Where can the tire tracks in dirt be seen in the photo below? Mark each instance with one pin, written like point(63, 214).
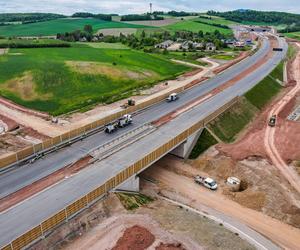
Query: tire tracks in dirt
point(270, 133)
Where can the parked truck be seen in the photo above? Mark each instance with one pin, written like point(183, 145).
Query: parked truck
point(206, 182)
point(172, 97)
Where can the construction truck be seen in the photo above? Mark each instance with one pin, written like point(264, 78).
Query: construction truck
point(272, 121)
point(172, 97)
point(111, 127)
point(124, 121)
point(206, 182)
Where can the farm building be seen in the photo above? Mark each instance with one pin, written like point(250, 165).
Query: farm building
point(210, 47)
point(164, 45)
point(191, 45)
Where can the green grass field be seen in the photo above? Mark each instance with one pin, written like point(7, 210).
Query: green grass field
point(106, 45)
point(231, 122)
point(216, 20)
point(205, 141)
point(191, 25)
point(59, 80)
point(264, 91)
point(228, 125)
point(53, 27)
point(294, 35)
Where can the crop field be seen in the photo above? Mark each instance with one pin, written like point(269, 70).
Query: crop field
point(194, 26)
point(53, 27)
point(60, 80)
point(217, 20)
point(294, 35)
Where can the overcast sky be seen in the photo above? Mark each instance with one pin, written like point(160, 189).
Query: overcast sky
point(141, 6)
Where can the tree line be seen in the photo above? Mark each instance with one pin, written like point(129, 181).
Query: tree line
point(27, 17)
point(146, 17)
point(269, 17)
point(105, 17)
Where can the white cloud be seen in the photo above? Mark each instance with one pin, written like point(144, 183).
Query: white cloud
point(140, 6)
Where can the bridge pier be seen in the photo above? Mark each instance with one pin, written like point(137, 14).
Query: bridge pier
point(132, 184)
point(185, 148)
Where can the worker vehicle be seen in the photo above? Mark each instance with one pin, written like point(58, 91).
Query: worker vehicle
point(111, 127)
point(124, 121)
point(206, 182)
point(272, 121)
point(172, 97)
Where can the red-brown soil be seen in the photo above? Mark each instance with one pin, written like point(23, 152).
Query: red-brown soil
point(11, 124)
point(13, 105)
point(135, 238)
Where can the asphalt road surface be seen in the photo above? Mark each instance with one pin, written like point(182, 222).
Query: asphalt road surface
point(29, 213)
point(18, 178)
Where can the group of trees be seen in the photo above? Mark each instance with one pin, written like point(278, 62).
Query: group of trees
point(145, 17)
point(105, 17)
point(7, 18)
point(77, 35)
point(269, 17)
point(22, 43)
point(181, 13)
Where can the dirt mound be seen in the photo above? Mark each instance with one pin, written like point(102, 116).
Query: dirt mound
point(170, 247)
point(135, 238)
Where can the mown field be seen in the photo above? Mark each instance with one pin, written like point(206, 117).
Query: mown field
point(59, 80)
point(53, 27)
point(192, 25)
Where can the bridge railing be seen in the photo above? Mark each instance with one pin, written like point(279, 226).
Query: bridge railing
point(77, 206)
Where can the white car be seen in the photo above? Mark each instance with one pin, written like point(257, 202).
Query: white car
point(206, 182)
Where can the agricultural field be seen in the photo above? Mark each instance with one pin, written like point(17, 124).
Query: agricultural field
point(62, 25)
point(192, 25)
point(216, 20)
point(190, 57)
point(60, 80)
point(293, 35)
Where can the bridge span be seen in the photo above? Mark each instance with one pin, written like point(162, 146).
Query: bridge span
point(35, 217)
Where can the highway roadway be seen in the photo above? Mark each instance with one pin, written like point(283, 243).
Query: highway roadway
point(18, 178)
point(32, 211)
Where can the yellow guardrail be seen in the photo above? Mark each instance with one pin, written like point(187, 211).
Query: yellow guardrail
point(72, 209)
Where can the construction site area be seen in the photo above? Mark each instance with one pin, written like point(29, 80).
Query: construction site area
point(182, 202)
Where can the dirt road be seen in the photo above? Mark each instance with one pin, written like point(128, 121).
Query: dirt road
point(270, 133)
point(31, 121)
point(280, 233)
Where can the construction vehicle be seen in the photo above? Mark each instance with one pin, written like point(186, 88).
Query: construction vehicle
point(124, 121)
point(172, 97)
point(129, 103)
point(272, 121)
point(206, 182)
point(111, 127)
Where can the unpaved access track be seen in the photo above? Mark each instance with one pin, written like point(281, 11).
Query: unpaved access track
point(196, 196)
point(270, 133)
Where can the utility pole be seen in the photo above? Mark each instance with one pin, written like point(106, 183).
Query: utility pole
point(150, 8)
